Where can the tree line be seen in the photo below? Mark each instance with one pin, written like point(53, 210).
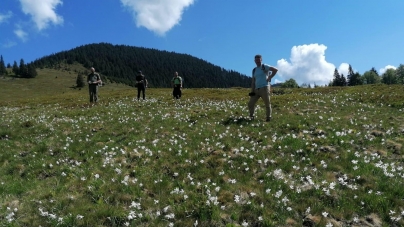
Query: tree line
point(390, 76)
point(121, 63)
point(22, 70)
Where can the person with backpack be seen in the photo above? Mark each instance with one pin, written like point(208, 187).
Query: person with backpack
point(141, 84)
point(94, 80)
point(261, 86)
point(176, 83)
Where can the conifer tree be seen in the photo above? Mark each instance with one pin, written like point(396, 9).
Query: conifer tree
point(16, 70)
point(23, 70)
point(336, 79)
point(374, 71)
point(349, 75)
point(342, 81)
point(31, 71)
point(80, 80)
point(3, 70)
point(350, 70)
point(355, 79)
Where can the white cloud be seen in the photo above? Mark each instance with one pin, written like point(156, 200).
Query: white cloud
point(158, 16)
point(383, 70)
point(343, 69)
point(21, 34)
point(42, 12)
point(5, 17)
point(278, 81)
point(307, 65)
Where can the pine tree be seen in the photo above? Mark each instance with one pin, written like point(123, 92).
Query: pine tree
point(80, 80)
point(374, 71)
point(23, 68)
point(3, 70)
point(16, 70)
point(355, 79)
point(350, 71)
point(31, 71)
point(342, 81)
point(337, 78)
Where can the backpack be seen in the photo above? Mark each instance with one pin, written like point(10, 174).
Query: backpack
point(99, 78)
point(177, 78)
point(262, 67)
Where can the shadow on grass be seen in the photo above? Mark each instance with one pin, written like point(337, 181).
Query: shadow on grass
point(76, 87)
point(236, 121)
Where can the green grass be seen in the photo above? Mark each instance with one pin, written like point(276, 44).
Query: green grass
point(330, 156)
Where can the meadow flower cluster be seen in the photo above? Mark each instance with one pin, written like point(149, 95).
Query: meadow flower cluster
point(326, 159)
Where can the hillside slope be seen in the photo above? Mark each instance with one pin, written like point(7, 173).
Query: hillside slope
point(120, 63)
point(51, 85)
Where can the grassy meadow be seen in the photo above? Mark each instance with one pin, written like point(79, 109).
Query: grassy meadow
point(329, 157)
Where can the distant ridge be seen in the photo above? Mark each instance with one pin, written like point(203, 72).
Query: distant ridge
point(120, 63)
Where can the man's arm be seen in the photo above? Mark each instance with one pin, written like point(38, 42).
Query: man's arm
point(273, 71)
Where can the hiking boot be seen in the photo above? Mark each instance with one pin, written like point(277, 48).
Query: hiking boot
point(268, 119)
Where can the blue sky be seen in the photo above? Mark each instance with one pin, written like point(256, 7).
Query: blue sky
point(305, 39)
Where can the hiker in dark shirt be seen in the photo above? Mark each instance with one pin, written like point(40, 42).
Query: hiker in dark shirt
point(94, 80)
point(176, 83)
point(141, 84)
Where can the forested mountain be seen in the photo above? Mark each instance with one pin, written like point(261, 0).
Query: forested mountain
point(120, 63)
